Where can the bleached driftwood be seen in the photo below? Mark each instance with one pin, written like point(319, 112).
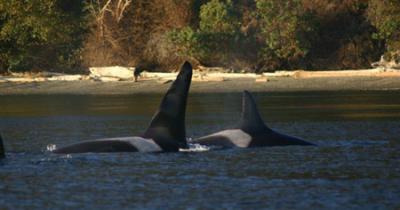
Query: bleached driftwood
point(119, 72)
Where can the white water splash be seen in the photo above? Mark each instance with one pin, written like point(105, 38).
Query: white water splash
point(195, 148)
point(51, 147)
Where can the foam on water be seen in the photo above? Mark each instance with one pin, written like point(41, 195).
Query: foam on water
point(51, 147)
point(192, 148)
point(195, 148)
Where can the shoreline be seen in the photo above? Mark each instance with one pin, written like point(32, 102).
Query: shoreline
point(233, 85)
point(210, 82)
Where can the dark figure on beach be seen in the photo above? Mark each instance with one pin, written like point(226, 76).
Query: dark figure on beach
point(137, 72)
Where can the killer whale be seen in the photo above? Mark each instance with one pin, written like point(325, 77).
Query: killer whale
point(166, 132)
point(251, 131)
point(2, 151)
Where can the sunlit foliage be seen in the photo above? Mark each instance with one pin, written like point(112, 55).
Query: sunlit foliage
point(41, 34)
point(385, 16)
point(250, 35)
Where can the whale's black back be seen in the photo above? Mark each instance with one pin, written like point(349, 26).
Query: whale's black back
point(2, 152)
point(168, 124)
point(252, 123)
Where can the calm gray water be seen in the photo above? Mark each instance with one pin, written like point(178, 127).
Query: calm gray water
point(355, 166)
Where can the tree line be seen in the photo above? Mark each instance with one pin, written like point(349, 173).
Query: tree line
point(249, 35)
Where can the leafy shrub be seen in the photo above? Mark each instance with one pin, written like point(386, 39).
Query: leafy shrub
point(385, 16)
point(218, 41)
point(41, 34)
point(285, 27)
point(185, 41)
point(218, 17)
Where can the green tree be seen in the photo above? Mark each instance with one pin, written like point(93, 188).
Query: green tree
point(218, 40)
point(385, 16)
point(218, 17)
point(41, 34)
point(284, 26)
point(185, 41)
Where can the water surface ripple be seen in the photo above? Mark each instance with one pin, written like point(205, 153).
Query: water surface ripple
point(355, 166)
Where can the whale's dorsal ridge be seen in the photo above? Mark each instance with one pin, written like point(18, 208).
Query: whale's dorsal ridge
point(168, 123)
point(2, 152)
point(251, 119)
point(251, 131)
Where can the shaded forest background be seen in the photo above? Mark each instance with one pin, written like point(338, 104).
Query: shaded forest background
point(249, 35)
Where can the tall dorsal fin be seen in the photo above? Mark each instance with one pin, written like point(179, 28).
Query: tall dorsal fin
point(251, 119)
point(2, 152)
point(168, 123)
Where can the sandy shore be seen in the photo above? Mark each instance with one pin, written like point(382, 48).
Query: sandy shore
point(118, 80)
point(274, 84)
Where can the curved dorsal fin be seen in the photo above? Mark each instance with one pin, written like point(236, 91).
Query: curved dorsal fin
point(168, 123)
point(251, 119)
point(2, 153)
